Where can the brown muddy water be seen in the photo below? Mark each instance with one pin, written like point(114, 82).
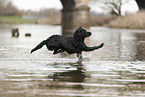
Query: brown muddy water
point(117, 70)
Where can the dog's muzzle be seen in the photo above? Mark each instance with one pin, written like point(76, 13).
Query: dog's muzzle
point(88, 34)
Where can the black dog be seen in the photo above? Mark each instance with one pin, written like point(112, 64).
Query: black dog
point(71, 45)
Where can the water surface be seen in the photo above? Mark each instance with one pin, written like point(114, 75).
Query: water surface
point(117, 70)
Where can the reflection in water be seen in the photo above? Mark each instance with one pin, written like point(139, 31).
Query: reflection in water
point(77, 75)
point(140, 55)
point(114, 71)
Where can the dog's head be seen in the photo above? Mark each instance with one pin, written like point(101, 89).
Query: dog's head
point(81, 33)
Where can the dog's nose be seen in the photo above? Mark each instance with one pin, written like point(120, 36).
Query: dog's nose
point(89, 33)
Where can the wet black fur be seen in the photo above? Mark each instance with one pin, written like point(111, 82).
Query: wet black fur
point(71, 45)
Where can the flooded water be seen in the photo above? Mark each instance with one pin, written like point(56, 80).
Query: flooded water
point(117, 70)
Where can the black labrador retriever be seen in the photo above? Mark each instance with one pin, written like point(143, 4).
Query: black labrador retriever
point(71, 45)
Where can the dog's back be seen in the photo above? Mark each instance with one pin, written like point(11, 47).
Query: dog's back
point(56, 42)
point(53, 42)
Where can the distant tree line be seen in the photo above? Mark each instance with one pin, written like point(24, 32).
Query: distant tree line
point(50, 12)
point(8, 9)
point(44, 16)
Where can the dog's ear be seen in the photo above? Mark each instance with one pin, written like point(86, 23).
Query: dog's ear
point(80, 28)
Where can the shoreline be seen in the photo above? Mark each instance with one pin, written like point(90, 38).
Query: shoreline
point(133, 21)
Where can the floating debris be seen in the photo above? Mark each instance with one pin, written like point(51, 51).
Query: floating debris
point(28, 34)
point(15, 32)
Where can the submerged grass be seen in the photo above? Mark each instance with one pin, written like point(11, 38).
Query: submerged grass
point(134, 21)
point(15, 20)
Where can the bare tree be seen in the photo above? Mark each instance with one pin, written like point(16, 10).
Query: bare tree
point(7, 8)
point(1, 7)
point(114, 6)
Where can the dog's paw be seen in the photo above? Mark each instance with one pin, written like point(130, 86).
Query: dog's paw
point(101, 45)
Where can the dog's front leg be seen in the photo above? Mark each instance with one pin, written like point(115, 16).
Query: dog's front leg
point(93, 48)
point(79, 55)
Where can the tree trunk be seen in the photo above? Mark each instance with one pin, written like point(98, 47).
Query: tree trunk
point(141, 4)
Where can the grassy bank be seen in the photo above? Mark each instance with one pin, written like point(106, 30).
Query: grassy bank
point(134, 21)
point(15, 20)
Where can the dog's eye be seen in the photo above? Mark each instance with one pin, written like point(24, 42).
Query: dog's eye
point(79, 32)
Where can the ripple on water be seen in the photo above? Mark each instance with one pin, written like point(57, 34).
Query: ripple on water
point(110, 71)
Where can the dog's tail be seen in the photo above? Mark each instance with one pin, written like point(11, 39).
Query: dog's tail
point(39, 46)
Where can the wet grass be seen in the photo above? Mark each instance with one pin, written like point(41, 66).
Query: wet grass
point(15, 20)
point(134, 21)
